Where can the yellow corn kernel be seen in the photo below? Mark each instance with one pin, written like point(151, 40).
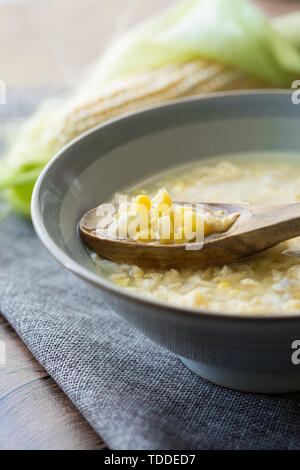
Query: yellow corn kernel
point(146, 236)
point(234, 292)
point(190, 217)
point(223, 285)
point(162, 198)
point(144, 200)
point(176, 215)
point(153, 219)
point(179, 211)
point(179, 236)
point(136, 272)
point(244, 309)
point(200, 299)
point(171, 214)
point(189, 224)
point(120, 279)
point(293, 306)
point(136, 208)
point(137, 222)
point(165, 228)
point(164, 210)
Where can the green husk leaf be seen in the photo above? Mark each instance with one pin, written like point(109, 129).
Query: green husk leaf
point(17, 184)
point(19, 177)
point(234, 32)
point(289, 26)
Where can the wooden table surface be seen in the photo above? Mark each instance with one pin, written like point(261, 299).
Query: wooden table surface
point(45, 44)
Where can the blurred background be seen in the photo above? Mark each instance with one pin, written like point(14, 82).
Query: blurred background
point(47, 43)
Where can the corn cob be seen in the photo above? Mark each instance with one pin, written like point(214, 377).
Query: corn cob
point(58, 122)
point(144, 89)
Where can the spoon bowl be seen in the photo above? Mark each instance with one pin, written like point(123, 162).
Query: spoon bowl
point(255, 229)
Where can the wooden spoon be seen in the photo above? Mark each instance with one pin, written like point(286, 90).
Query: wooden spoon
point(256, 228)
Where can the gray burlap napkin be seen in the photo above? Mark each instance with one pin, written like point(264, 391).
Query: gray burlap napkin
point(135, 394)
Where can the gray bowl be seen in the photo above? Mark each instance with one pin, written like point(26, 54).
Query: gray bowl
point(245, 352)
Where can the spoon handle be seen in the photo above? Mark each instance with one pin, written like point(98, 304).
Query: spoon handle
point(265, 226)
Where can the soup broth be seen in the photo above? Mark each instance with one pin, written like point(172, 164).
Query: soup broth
point(268, 282)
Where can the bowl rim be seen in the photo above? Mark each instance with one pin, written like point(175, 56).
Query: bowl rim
point(70, 264)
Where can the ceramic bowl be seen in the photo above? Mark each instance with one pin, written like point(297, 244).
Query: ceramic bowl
point(244, 352)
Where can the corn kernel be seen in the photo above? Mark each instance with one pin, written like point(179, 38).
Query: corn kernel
point(179, 236)
point(223, 285)
point(190, 218)
point(153, 219)
point(143, 200)
point(200, 299)
point(136, 272)
point(120, 279)
point(148, 220)
point(176, 216)
point(165, 228)
point(135, 209)
point(293, 306)
point(137, 222)
point(162, 197)
point(234, 292)
point(146, 236)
